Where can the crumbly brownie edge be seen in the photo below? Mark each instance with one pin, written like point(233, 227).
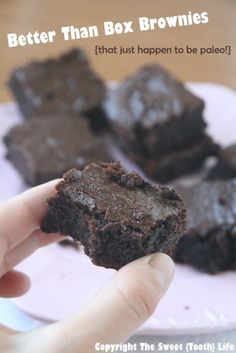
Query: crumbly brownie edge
point(85, 226)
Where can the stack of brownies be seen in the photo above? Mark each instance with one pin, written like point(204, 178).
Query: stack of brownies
point(159, 124)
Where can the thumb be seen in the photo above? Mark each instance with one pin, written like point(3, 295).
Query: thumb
point(118, 310)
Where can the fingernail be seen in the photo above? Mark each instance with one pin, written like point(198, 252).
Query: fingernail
point(164, 269)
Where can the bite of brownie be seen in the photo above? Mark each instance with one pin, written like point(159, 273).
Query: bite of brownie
point(116, 216)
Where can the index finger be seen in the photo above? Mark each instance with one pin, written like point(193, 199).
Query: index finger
point(23, 214)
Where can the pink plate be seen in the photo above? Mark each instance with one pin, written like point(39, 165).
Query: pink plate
point(64, 279)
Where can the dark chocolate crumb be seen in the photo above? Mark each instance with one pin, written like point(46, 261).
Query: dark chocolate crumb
point(186, 307)
point(170, 194)
point(117, 173)
point(222, 201)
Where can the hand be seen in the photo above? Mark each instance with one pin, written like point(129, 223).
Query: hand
point(114, 314)
point(20, 236)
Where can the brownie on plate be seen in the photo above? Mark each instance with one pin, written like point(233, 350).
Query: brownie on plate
point(116, 215)
point(154, 118)
point(153, 109)
point(179, 162)
point(226, 165)
point(63, 85)
point(209, 243)
point(43, 149)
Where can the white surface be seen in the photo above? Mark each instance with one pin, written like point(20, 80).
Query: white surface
point(64, 280)
point(71, 280)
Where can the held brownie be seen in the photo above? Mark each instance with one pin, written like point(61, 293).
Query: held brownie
point(116, 215)
point(153, 110)
point(62, 85)
point(226, 165)
point(43, 149)
point(210, 241)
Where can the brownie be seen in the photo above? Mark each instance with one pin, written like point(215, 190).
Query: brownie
point(209, 243)
point(179, 162)
point(115, 215)
point(66, 84)
point(154, 112)
point(226, 165)
point(43, 149)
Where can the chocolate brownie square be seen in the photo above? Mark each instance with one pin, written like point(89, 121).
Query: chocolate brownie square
point(43, 149)
point(63, 85)
point(209, 242)
point(226, 165)
point(153, 112)
point(179, 162)
point(116, 215)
